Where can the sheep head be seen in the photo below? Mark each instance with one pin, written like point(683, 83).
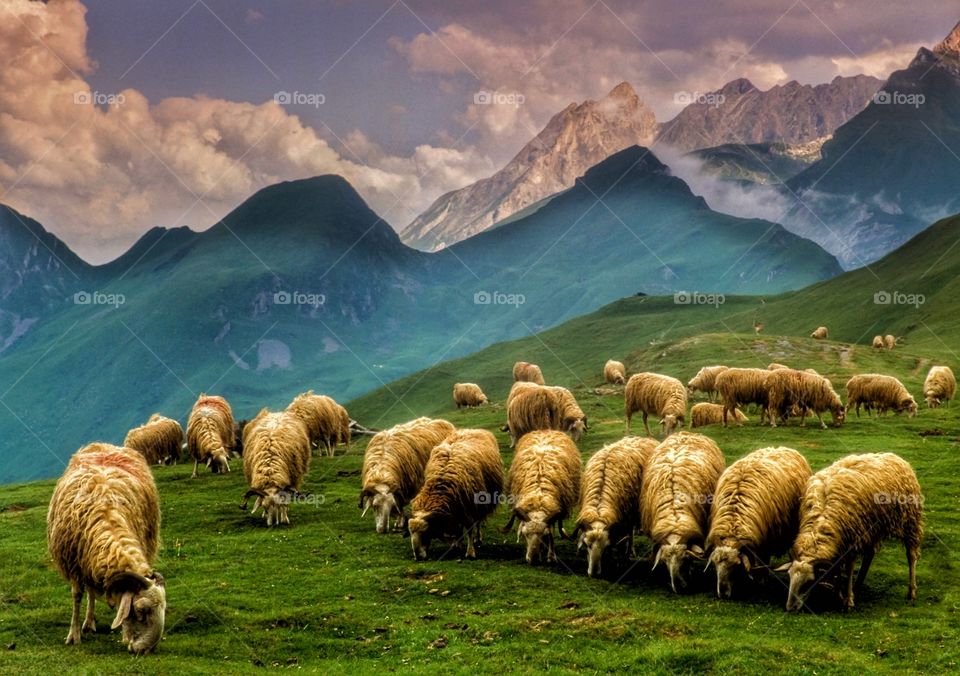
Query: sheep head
point(910, 406)
point(537, 534)
point(932, 400)
point(674, 555)
point(384, 505)
point(670, 423)
point(596, 540)
point(141, 609)
point(575, 428)
point(839, 414)
point(217, 461)
point(728, 561)
point(419, 527)
point(803, 579)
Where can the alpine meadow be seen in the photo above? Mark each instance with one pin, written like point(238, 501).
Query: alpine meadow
point(538, 336)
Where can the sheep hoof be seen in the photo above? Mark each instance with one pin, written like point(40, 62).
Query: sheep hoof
point(72, 638)
point(90, 626)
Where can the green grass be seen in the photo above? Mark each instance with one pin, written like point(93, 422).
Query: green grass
point(328, 594)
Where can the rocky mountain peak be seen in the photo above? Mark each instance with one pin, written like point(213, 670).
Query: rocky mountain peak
point(950, 45)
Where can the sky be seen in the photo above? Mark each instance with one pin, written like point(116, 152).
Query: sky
point(120, 115)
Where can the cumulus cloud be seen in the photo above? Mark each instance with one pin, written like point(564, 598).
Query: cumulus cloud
point(99, 168)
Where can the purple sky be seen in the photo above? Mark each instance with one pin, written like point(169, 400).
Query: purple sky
point(194, 129)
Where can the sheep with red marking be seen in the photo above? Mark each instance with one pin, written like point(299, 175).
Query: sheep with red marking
point(659, 395)
point(276, 458)
point(678, 485)
point(614, 372)
point(755, 513)
point(159, 440)
point(527, 372)
point(211, 433)
point(103, 530)
point(939, 386)
point(468, 395)
point(875, 390)
point(847, 511)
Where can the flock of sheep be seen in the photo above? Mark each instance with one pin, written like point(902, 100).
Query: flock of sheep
point(104, 516)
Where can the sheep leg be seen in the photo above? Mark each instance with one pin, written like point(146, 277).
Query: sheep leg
point(645, 425)
point(864, 567)
point(823, 425)
point(629, 416)
point(88, 623)
point(913, 554)
point(471, 552)
point(850, 564)
point(551, 554)
point(73, 638)
point(195, 463)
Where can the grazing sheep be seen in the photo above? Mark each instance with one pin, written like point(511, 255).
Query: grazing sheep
point(614, 372)
point(939, 386)
point(678, 485)
point(847, 511)
point(662, 396)
point(570, 418)
point(776, 367)
point(462, 484)
point(539, 407)
point(211, 433)
point(527, 372)
point(790, 390)
point(543, 485)
point(706, 380)
point(889, 341)
point(326, 421)
point(276, 458)
point(103, 529)
point(610, 498)
point(878, 342)
point(159, 440)
point(884, 392)
point(468, 394)
point(755, 513)
point(739, 386)
point(517, 387)
point(393, 467)
point(820, 333)
point(703, 414)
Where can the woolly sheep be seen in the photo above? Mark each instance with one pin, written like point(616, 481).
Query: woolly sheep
point(820, 333)
point(463, 481)
point(880, 391)
point(703, 414)
point(393, 466)
point(327, 422)
point(540, 407)
point(662, 396)
point(610, 498)
point(878, 342)
point(614, 372)
point(755, 513)
point(789, 389)
point(678, 484)
point(103, 529)
point(774, 366)
point(211, 433)
point(741, 386)
point(705, 380)
point(276, 458)
point(468, 394)
point(939, 386)
point(525, 371)
point(847, 511)
point(543, 485)
point(159, 440)
point(889, 341)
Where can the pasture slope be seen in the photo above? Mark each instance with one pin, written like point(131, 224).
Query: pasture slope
point(328, 594)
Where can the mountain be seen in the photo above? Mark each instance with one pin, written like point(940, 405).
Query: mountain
point(891, 169)
point(575, 139)
point(764, 163)
point(788, 113)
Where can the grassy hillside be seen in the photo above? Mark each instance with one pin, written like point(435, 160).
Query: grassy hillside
point(327, 593)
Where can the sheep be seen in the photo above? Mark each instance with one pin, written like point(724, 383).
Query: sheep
point(743, 386)
point(791, 390)
point(889, 341)
point(103, 529)
point(326, 421)
point(517, 387)
point(705, 380)
point(468, 394)
point(663, 396)
point(211, 433)
point(462, 484)
point(678, 485)
point(159, 440)
point(939, 386)
point(884, 392)
point(543, 484)
point(276, 458)
point(614, 372)
point(539, 407)
point(755, 513)
point(525, 371)
point(774, 366)
point(847, 511)
point(878, 342)
point(393, 465)
point(820, 333)
point(703, 414)
point(610, 498)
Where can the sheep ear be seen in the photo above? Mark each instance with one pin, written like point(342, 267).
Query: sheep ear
point(126, 582)
point(656, 561)
point(746, 562)
point(123, 609)
point(784, 568)
point(158, 579)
